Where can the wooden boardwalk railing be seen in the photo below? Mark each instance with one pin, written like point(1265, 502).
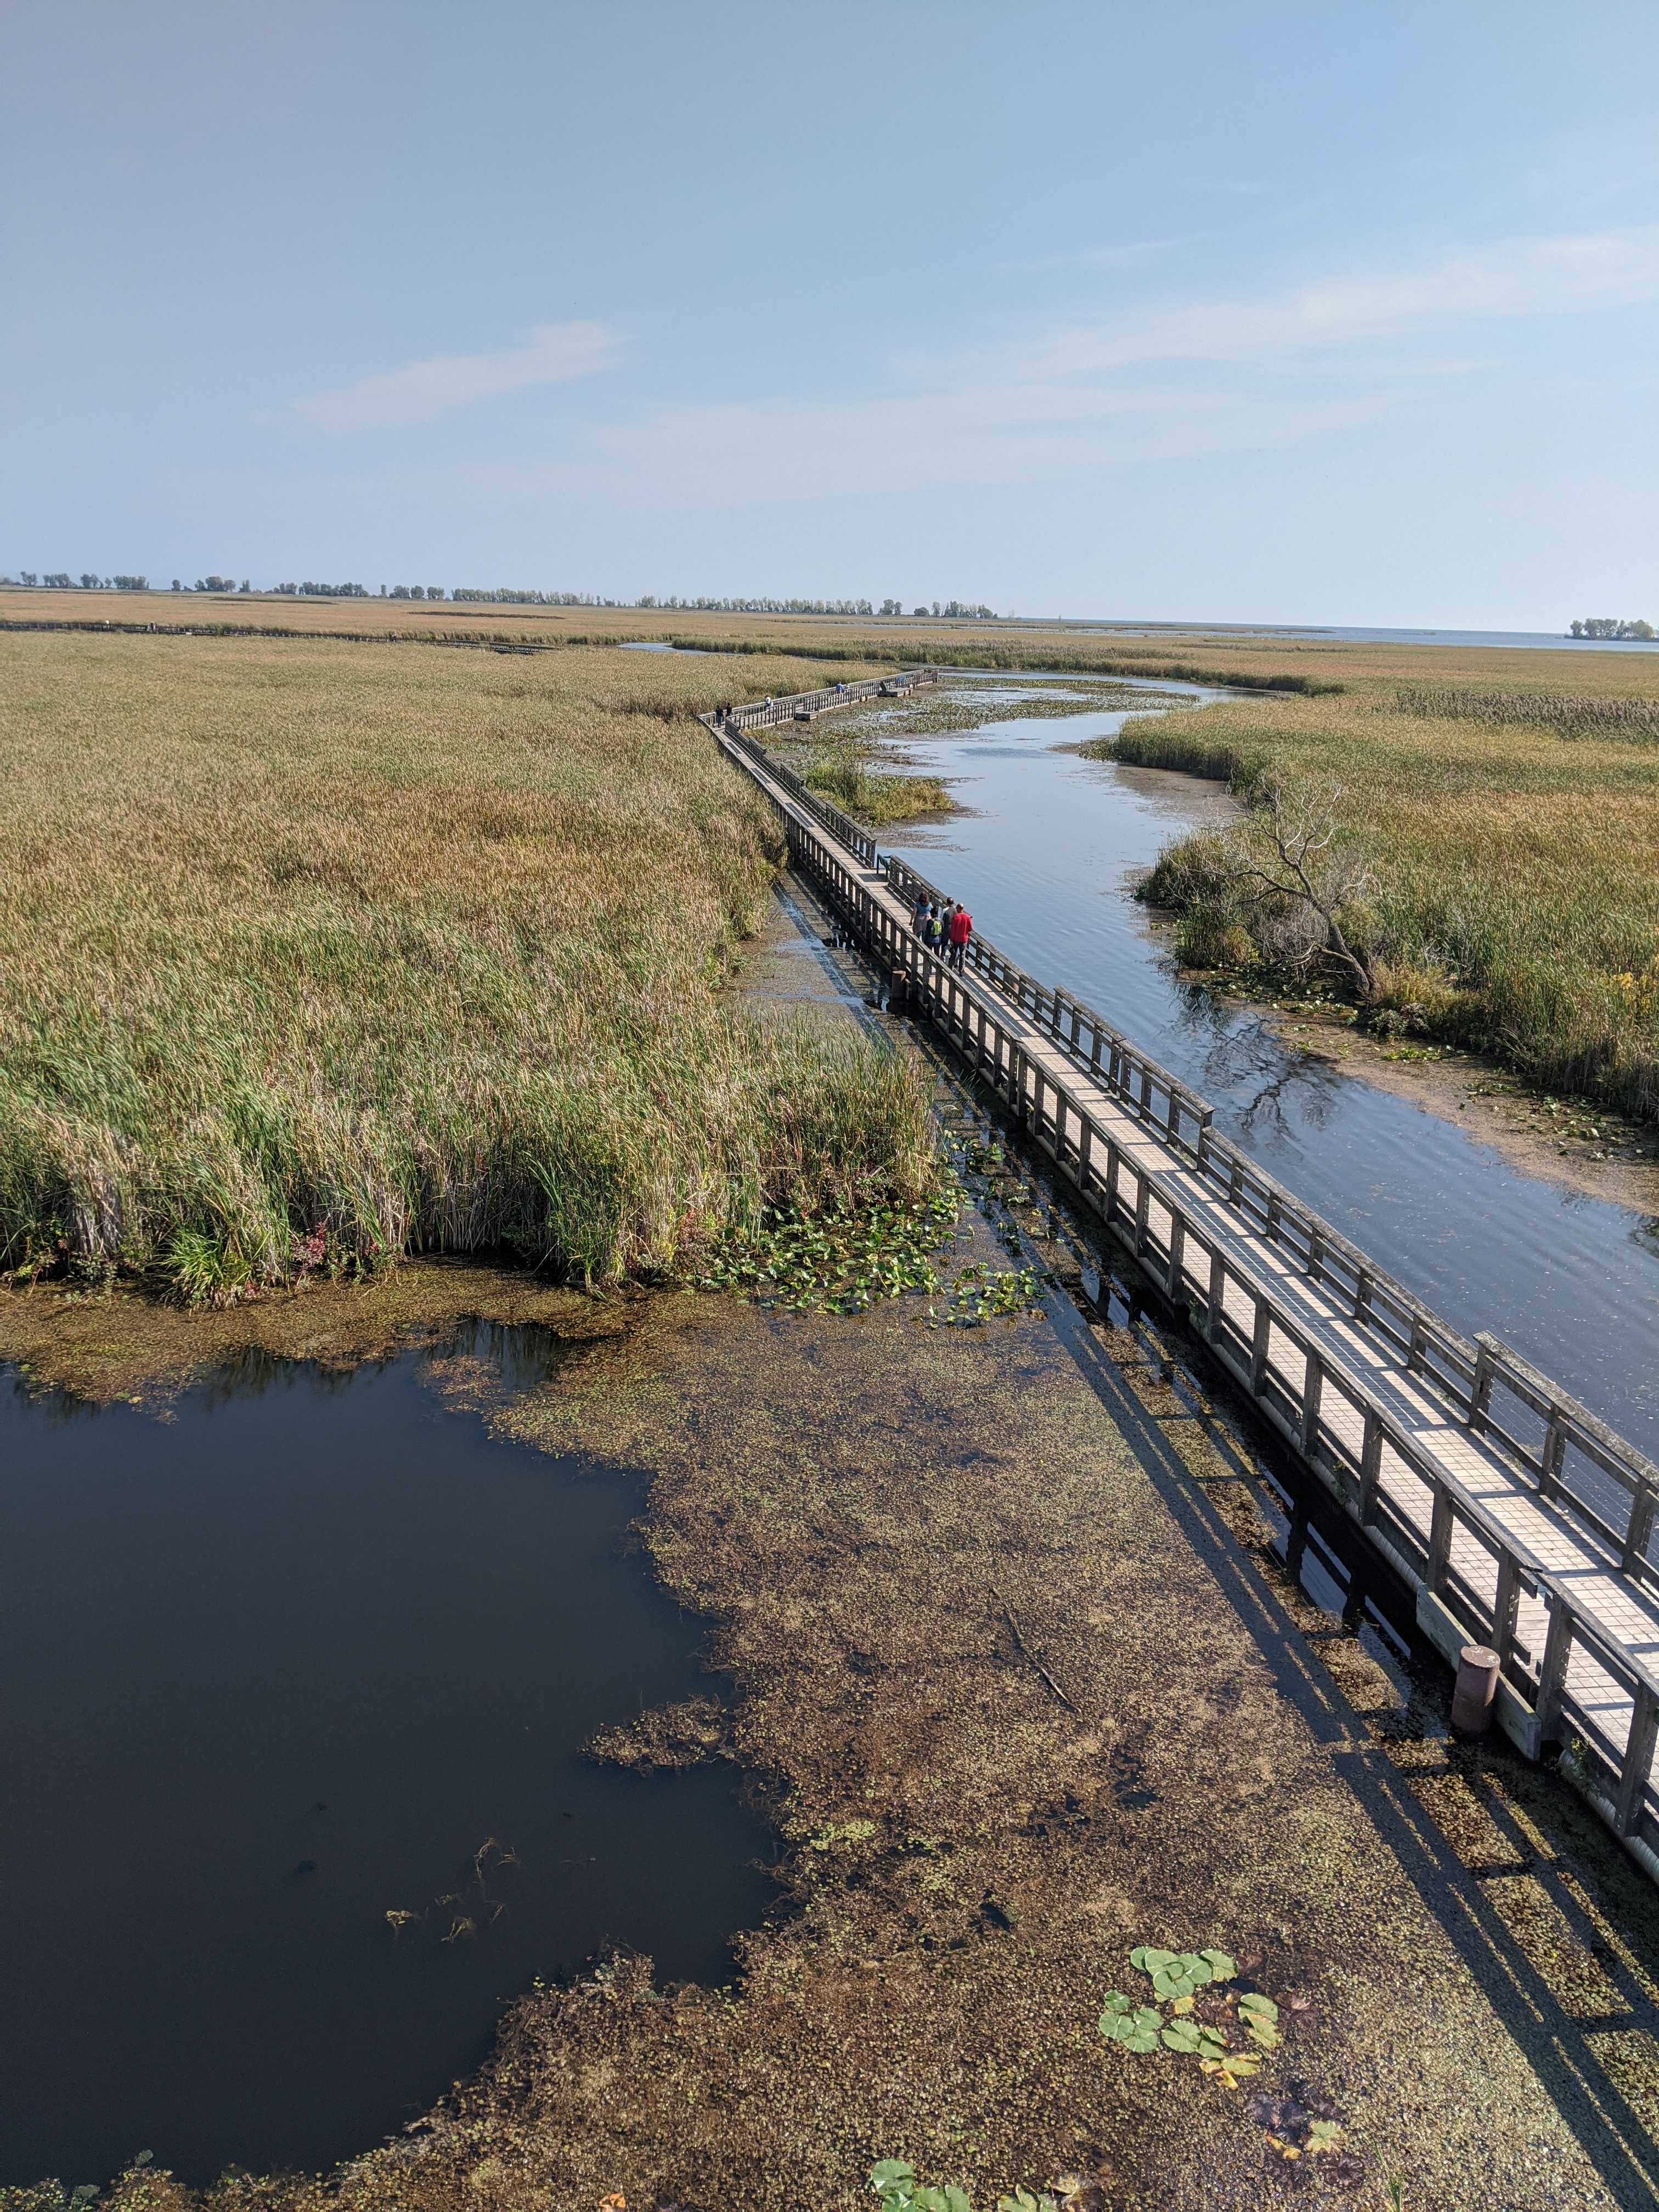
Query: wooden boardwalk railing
point(1520, 1520)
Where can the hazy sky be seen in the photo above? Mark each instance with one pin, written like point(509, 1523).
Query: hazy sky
point(1341, 311)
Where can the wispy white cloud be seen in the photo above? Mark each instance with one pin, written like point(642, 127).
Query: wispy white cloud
point(1516, 279)
point(1170, 380)
point(421, 390)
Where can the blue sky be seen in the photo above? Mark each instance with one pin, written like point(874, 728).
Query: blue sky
point(1334, 312)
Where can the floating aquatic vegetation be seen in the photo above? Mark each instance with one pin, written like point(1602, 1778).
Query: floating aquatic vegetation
point(1228, 2037)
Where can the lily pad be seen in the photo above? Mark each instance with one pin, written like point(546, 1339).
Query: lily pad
point(1135, 2030)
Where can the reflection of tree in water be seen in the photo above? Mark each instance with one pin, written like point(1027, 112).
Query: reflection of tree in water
point(1237, 1055)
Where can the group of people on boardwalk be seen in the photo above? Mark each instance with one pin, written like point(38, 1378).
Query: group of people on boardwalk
point(942, 929)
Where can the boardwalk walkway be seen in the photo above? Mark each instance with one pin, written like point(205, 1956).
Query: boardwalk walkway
point(1520, 1521)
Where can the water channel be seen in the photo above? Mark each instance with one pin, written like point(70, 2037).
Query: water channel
point(1044, 861)
point(277, 1665)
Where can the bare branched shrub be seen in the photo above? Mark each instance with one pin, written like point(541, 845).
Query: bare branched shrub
point(1296, 871)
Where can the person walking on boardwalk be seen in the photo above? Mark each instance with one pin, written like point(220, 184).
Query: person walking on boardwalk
point(919, 919)
point(934, 934)
point(960, 929)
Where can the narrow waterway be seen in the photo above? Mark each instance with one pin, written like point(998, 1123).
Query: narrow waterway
point(1045, 860)
point(311, 1649)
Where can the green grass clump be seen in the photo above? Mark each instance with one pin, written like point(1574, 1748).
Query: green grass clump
point(320, 953)
point(876, 799)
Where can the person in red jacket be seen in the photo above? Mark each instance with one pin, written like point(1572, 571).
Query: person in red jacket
point(961, 928)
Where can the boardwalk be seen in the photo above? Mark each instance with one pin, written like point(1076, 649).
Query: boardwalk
point(1520, 1520)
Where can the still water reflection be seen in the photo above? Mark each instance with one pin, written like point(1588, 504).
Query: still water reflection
point(274, 1668)
point(1045, 861)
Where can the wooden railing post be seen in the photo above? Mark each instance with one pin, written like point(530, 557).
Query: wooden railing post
point(1480, 1389)
point(1440, 1536)
point(1637, 1761)
point(1371, 1467)
point(1506, 1605)
point(1143, 1211)
point(1554, 1451)
point(1553, 1671)
point(1260, 1342)
point(1177, 1251)
point(1216, 1305)
point(1638, 1529)
point(1313, 1386)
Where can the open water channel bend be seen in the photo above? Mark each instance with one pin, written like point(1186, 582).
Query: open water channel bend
point(1044, 863)
point(279, 1665)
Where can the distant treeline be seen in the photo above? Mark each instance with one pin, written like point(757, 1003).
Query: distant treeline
point(503, 596)
point(1610, 626)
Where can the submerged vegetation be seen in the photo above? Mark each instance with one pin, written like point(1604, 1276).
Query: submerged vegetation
point(1500, 892)
point(320, 954)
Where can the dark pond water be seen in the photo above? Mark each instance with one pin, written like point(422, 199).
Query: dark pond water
point(1044, 864)
point(273, 1667)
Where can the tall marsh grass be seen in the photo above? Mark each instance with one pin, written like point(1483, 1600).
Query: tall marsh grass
point(317, 954)
point(1516, 905)
point(1570, 714)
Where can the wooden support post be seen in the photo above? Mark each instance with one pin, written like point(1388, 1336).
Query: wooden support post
point(1440, 1536)
point(1114, 1171)
point(1313, 1388)
point(1505, 1607)
point(1414, 1352)
point(1085, 1140)
point(1259, 1343)
point(1143, 1207)
point(1639, 1759)
point(1177, 1244)
point(1274, 1208)
point(1552, 1674)
point(1362, 1298)
point(1146, 1094)
point(1371, 1467)
point(1317, 1255)
point(1236, 1184)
